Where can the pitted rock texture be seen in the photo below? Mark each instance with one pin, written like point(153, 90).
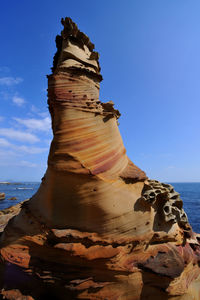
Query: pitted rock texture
point(164, 198)
point(97, 228)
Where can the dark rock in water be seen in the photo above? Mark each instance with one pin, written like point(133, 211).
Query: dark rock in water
point(2, 196)
point(12, 198)
point(97, 228)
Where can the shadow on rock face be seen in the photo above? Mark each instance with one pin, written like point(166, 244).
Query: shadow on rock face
point(154, 287)
point(141, 205)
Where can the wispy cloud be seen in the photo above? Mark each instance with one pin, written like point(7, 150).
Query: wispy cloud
point(25, 163)
point(31, 150)
point(37, 111)
point(18, 135)
point(9, 81)
point(10, 154)
point(4, 143)
point(34, 109)
point(44, 114)
point(35, 124)
point(13, 163)
point(23, 148)
point(19, 101)
point(6, 155)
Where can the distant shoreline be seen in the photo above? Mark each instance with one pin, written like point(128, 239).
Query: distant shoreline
point(18, 182)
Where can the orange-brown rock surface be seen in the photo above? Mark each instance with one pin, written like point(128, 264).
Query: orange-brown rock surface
point(97, 228)
point(7, 213)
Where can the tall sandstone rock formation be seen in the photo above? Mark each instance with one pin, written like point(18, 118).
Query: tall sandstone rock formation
point(97, 228)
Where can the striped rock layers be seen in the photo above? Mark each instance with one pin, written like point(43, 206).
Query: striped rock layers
point(97, 228)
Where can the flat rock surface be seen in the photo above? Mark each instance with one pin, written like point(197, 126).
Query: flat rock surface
point(7, 213)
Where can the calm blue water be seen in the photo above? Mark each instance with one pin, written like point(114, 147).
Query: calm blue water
point(190, 194)
point(20, 190)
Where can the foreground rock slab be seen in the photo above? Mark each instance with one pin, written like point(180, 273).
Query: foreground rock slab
point(97, 228)
point(8, 213)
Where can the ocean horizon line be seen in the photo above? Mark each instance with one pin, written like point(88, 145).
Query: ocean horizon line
point(30, 181)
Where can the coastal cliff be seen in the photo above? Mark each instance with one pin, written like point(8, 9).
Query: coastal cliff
point(97, 228)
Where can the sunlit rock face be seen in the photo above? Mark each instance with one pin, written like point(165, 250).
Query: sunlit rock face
point(97, 228)
point(85, 185)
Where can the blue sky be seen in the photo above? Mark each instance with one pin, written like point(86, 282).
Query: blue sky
point(149, 55)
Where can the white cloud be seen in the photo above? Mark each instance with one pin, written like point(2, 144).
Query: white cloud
point(4, 143)
point(44, 114)
point(31, 150)
point(10, 156)
point(36, 124)
point(9, 81)
point(18, 135)
point(25, 163)
point(10, 162)
point(22, 148)
point(37, 111)
point(19, 101)
point(34, 109)
point(7, 154)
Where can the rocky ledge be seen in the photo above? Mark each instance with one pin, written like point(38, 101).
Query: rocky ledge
point(97, 228)
point(8, 213)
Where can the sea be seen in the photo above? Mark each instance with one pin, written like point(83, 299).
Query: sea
point(189, 192)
